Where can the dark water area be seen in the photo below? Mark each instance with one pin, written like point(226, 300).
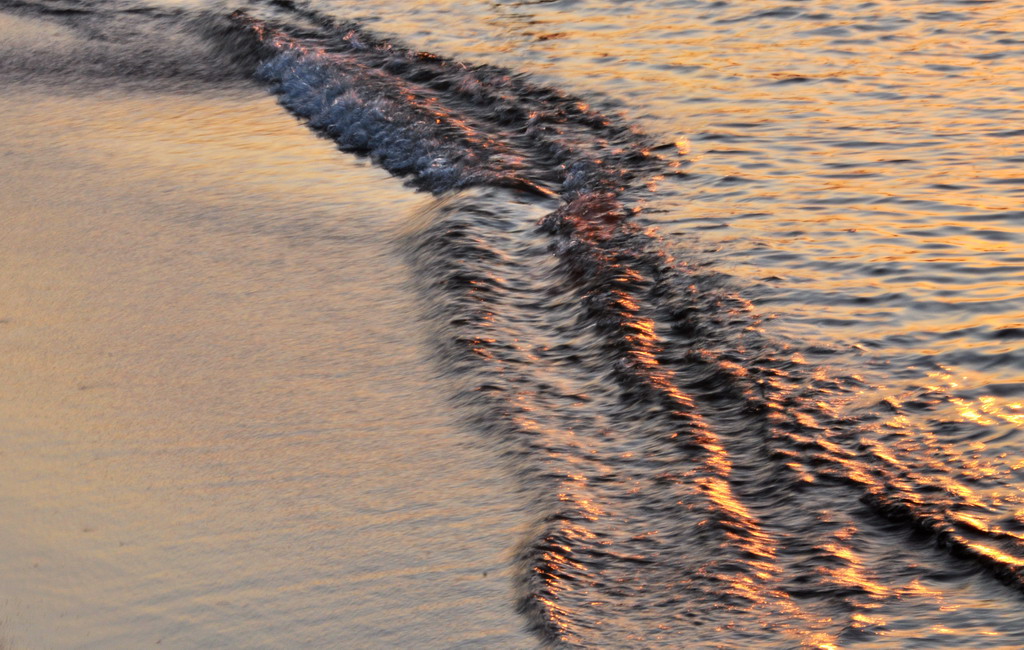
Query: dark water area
point(733, 291)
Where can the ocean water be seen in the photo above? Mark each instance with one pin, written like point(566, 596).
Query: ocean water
point(513, 324)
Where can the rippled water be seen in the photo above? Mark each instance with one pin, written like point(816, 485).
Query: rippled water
point(734, 289)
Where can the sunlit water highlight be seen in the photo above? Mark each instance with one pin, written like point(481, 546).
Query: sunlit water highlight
point(758, 371)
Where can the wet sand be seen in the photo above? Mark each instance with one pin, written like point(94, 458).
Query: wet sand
point(220, 424)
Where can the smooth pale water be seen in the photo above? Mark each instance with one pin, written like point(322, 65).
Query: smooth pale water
point(709, 336)
point(220, 424)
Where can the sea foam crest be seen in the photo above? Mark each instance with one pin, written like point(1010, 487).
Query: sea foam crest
point(340, 99)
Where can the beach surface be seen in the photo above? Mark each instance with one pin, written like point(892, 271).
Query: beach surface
point(220, 425)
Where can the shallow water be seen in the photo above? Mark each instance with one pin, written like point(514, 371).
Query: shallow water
point(732, 291)
point(221, 428)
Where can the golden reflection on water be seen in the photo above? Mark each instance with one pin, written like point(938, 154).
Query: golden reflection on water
point(780, 114)
point(984, 410)
point(988, 410)
point(861, 171)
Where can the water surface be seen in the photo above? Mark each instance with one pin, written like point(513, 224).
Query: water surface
point(732, 291)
